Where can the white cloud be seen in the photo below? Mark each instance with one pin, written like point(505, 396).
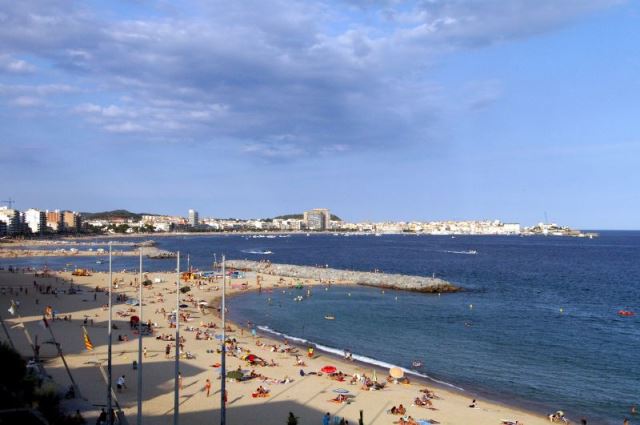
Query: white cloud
point(11, 65)
point(27, 102)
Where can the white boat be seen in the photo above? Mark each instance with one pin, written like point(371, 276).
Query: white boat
point(329, 317)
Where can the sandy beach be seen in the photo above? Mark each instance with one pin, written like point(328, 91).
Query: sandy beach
point(308, 397)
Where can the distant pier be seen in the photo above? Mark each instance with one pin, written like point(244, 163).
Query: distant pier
point(379, 280)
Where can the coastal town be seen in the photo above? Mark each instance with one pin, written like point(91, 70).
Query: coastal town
point(39, 223)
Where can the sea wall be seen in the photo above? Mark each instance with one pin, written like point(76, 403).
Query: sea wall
point(380, 280)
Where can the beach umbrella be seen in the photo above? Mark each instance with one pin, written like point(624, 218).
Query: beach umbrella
point(328, 369)
point(185, 289)
point(251, 358)
point(341, 391)
point(183, 306)
point(396, 372)
point(147, 282)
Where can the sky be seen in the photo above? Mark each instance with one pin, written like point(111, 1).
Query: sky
point(376, 109)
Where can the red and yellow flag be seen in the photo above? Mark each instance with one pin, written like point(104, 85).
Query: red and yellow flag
point(87, 341)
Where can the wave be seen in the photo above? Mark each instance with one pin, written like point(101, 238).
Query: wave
point(256, 251)
point(358, 357)
point(469, 252)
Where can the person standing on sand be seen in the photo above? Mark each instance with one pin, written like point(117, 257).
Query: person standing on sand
point(207, 386)
point(144, 352)
point(167, 351)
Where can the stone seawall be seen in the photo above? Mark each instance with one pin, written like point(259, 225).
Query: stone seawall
point(380, 280)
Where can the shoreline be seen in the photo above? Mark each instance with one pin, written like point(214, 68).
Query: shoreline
point(452, 407)
point(416, 377)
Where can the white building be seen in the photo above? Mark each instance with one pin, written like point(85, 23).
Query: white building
point(11, 219)
point(35, 220)
point(193, 218)
point(317, 219)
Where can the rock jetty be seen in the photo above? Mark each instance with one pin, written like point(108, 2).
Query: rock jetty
point(379, 280)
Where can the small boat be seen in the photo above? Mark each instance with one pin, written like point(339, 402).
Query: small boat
point(329, 317)
point(626, 313)
point(99, 262)
point(416, 363)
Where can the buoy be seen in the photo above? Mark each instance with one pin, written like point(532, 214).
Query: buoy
point(396, 298)
point(349, 294)
point(470, 305)
point(561, 310)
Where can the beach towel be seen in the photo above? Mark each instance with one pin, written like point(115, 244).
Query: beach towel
point(423, 422)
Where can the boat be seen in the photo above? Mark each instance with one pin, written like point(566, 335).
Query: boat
point(99, 262)
point(626, 313)
point(329, 317)
point(416, 363)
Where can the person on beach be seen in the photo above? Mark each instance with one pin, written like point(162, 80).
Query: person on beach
point(207, 386)
point(144, 352)
point(121, 384)
point(102, 419)
point(473, 404)
point(326, 419)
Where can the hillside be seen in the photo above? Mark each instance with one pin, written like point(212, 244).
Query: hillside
point(108, 215)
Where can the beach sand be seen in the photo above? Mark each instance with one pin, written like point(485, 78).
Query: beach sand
point(307, 397)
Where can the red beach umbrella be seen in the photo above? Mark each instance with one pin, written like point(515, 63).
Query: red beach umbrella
point(328, 369)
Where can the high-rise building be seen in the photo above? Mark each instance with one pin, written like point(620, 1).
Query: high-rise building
point(317, 219)
point(35, 220)
point(193, 218)
point(54, 221)
point(71, 221)
point(11, 218)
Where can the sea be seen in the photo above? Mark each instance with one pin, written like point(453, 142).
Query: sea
point(536, 324)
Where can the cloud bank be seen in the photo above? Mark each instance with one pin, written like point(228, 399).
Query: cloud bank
point(280, 80)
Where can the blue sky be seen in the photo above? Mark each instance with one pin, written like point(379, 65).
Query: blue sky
point(398, 110)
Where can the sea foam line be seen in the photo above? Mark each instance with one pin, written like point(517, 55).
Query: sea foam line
point(358, 357)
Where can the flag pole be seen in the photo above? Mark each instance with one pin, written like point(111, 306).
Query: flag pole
point(139, 421)
point(109, 381)
point(176, 398)
point(64, 362)
point(223, 366)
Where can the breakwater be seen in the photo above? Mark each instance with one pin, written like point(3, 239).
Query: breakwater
point(379, 280)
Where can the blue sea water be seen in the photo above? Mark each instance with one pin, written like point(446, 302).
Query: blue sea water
point(537, 323)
